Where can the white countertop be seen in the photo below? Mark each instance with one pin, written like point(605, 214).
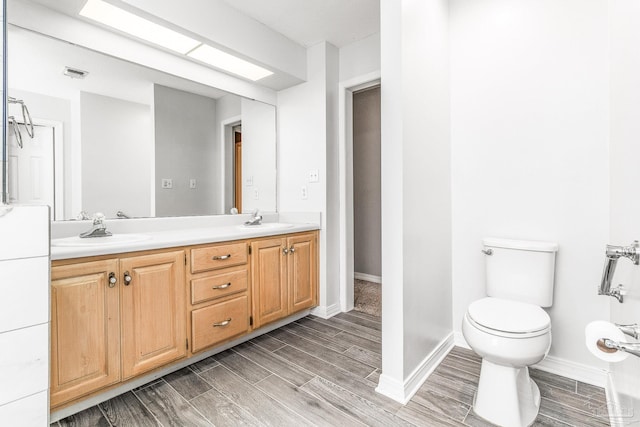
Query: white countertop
point(168, 238)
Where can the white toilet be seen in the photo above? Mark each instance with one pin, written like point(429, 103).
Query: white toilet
point(510, 330)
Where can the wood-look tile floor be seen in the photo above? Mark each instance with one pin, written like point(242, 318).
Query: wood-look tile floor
point(318, 372)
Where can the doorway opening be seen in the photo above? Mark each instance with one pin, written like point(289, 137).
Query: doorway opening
point(367, 208)
point(237, 167)
point(348, 218)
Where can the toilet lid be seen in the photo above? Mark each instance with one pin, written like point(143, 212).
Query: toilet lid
point(508, 316)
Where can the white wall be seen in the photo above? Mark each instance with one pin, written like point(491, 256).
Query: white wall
point(258, 156)
point(529, 147)
point(307, 141)
point(117, 158)
point(416, 192)
point(624, 16)
point(186, 147)
point(360, 57)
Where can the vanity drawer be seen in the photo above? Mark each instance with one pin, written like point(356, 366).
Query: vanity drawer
point(219, 285)
point(219, 322)
point(219, 256)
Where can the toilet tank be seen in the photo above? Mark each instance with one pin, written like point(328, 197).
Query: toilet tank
point(520, 270)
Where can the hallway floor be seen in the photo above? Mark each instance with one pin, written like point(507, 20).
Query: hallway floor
point(367, 297)
point(324, 373)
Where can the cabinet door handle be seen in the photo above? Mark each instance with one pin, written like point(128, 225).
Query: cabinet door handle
point(223, 323)
point(292, 249)
point(221, 257)
point(112, 279)
point(225, 286)
point(127, 278)
point(285, 251)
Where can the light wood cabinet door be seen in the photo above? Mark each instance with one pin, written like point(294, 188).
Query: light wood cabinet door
point(269, 279)
point(153, 311)
point(303, 274)
point(85, 335)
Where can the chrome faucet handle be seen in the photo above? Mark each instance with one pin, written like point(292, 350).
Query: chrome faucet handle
point(98, 218)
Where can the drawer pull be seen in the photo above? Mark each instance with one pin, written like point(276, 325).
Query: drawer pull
point(225, 286)
point(223, 323)
point(221, 257)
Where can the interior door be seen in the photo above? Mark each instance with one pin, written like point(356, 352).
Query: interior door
point(31, 168)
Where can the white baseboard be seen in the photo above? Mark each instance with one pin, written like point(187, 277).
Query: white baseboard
point(367, 277)
point(575, 371)
point(555, 365)
point(403, 391)
point(326, 311)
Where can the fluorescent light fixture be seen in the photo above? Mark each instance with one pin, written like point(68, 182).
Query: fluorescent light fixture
point(144, 29)
point(132, 24)
point(225, 61)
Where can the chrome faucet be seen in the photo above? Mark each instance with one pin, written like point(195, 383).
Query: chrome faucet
point(98, 229)
point(256, 218)
point(613, 253)
point(121, 214)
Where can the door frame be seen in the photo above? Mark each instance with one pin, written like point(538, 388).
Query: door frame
point(226, 138)
point(345, 172)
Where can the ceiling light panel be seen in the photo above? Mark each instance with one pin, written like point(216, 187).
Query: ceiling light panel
point(227, 62)
point(144, 29)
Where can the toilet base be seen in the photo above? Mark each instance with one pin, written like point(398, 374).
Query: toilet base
point(506, 396)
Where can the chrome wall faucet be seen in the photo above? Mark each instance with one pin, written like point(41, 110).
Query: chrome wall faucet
point(613, 254)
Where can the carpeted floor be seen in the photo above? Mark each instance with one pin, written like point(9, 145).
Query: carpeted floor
point(367, 297)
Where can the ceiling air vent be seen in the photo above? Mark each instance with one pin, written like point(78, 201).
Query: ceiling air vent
point(75, 73)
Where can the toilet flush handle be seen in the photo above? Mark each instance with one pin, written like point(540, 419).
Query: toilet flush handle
point(487, 251)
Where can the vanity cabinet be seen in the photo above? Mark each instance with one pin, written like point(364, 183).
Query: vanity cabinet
point(117, 317)
point(113, 319)
point(284, 276)
point(220, 298)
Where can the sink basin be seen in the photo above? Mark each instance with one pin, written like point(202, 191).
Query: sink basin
point(116, 239)
point(266, 226)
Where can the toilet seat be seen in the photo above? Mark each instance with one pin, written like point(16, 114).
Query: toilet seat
point(509, 319)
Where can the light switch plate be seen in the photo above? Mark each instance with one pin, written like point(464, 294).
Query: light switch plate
point(167, 183)
point(192, 183)
point(304, 192)
point(314, 175)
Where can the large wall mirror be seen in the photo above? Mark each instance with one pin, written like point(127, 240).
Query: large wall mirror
point(126, 140)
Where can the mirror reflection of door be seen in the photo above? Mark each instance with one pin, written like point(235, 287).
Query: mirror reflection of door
point(237, 167)
point(31, 168)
